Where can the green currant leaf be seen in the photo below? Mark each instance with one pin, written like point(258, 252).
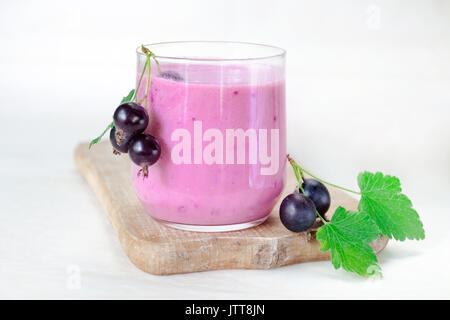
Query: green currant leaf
point(128, 97)
point(96, 140)
point(392, 211)
point(347, 236)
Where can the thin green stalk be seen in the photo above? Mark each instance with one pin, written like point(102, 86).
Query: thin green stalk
point(147, 66)
point(139, 82)
point(329, 183)
point(148, 81)
point(317, 213)
point(157, 64)
point(298, 174)
point(301, 170)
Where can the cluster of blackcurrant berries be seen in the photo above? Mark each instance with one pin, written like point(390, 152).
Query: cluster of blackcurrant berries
point(130, 121)
point(298, 210)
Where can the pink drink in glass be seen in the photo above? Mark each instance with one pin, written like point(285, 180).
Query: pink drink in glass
point(214, 183)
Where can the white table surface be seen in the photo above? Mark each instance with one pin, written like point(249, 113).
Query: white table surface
point(374, 97)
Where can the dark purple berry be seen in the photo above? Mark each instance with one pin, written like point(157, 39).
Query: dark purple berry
point(131, 118)
point(144, 151)
point(120, 140)
point(172, 75)
point(297, 212)
point(318, 193)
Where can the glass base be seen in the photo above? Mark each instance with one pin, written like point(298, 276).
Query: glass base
point(220, 228)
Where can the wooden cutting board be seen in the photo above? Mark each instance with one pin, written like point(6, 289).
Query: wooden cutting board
point(158, 249)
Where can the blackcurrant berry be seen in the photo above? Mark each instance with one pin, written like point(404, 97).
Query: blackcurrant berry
point(318, 193)
point(297, 212)
point(131, 118)
point(171, 75)
point(120, 141)
point(144, 151)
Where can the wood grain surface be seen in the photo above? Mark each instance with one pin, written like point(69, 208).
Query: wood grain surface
point(158, 249)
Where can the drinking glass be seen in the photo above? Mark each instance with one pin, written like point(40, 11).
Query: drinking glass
point(218, 112)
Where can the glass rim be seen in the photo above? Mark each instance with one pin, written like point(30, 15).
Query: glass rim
point(282, 52)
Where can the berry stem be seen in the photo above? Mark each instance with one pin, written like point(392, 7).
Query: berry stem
point(321, 219)
point(297, 172)
point(315, 177)
point(151, 54)
point(157, 64)
point(147, 66)
point(140, 80)
point(317, 213)
point(148, 82)
point(299, 175)
point(330, 184)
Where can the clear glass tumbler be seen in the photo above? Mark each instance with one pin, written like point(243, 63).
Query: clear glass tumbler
point(218, 111)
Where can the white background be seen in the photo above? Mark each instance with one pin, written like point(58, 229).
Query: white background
point(368, 88)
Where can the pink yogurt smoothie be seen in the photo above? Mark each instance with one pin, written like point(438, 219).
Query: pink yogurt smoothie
point(221, 98)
